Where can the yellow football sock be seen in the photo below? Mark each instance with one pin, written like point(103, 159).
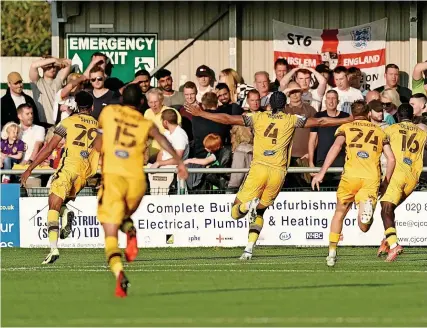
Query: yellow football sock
point(255, 229)
point(53, 227)
point(113, 254)
point(238, 211)
point(334, 238)
point(126, 225)
point(390, 235)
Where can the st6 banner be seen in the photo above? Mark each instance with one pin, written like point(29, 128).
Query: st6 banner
point(361, 46)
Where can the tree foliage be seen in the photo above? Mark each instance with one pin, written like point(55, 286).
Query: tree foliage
point(25, 28)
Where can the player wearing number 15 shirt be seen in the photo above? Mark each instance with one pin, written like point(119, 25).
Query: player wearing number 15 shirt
point(365, 142)
point(122, 137)
point(408, 142)
point(79, 162)
point(273, 136)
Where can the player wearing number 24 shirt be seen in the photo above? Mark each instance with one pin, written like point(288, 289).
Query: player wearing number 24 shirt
point(273, 136)
point(365, 142)
point(79, 162)
point(122, 136)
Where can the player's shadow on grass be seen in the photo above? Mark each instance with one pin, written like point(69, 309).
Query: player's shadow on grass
point(250, 289)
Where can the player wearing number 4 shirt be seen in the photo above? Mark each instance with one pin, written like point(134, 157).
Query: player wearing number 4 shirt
point(78, 163)
point(361, 176)
point(273, 134)
point(122, 135)
point(407, 141)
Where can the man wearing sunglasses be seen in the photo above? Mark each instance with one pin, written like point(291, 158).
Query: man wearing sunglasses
point(14, 97)
point(45, 87)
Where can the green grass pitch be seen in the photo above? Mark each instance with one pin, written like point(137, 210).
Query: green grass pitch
point(211, 287)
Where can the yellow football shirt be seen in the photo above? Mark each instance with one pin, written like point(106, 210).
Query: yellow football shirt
point(124, 136)
point(79, 131)
point(364, 145)
point(273, 135)
point(407, 142)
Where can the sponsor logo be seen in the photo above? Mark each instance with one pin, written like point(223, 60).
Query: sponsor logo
point(361, 37)
point(362, 154)
point(122, 153)
point(285, 236)
point(84, 154)
point(313, 235)
point(221, 238)
point(407, 161)
point(193, 238)
point(169, 239)
point(269, 152)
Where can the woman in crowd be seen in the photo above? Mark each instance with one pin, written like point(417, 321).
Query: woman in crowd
point(391, 101)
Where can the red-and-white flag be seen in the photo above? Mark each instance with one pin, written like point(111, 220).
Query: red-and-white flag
point(361, 46)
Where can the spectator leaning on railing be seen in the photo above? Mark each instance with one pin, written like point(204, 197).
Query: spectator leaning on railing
point(14, 97)
point(12, 148)
point(45, 87)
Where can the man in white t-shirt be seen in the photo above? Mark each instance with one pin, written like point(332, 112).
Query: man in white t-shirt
point(346, 94)
point(176, 136)
point(312, 97)
point(33, 135)
point(204, 77)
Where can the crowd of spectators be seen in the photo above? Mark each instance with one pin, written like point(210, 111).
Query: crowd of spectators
point(312, 92)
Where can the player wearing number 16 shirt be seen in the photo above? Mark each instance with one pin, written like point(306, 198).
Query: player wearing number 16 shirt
point(408, 142)
point(122, 136)
point(360, 181)
point(79, 162)
point(273, 135)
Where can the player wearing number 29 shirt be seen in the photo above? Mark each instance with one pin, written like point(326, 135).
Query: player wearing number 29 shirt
point(122, 137)
point(365, 142)
point(79, 162)
point(408, 142)
point(273, 134)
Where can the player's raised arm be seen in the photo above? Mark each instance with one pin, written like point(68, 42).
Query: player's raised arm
point(312, 122)
point(329, 160)
point(196, 110)
point(165, 144)
point(41, 156)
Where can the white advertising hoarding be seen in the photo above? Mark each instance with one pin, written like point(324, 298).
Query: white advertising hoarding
point(298, 218)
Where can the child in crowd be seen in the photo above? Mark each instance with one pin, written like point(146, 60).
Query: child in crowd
point(212, 144)
point(12, 149)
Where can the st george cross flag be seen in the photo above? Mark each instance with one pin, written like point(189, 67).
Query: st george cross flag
point(361, 46)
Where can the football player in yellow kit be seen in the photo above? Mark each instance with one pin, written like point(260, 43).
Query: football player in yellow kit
point(408, 142)
point(122, 135)
point(79, 162)
point(365, 142)
point(273, 134)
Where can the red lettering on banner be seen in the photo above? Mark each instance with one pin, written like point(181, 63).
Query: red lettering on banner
point(366, 59)
point(296, 60)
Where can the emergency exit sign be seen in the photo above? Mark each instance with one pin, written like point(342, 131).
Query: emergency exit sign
point(128, 53)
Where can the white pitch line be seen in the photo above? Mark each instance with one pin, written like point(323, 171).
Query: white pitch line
point(130, 269)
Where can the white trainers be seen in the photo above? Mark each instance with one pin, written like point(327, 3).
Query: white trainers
point(368, 212)
point(252, 214)
point(331, 260)
point(52, 256)
point(246, 256)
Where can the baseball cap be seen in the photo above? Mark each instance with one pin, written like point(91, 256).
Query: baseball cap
point(203, 71)
point(161, 73)
point(292, 86)
point(14, 77)
point(376, 106)
point(277, 100)
point(84, 99)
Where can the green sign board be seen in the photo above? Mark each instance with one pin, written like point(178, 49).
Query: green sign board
point(128, 53)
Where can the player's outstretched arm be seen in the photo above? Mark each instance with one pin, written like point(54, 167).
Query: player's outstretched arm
point(41, 156)
point(195, 110)
point(391, 162)
point(166, 145)
point(326, 121)
point(329, 160)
